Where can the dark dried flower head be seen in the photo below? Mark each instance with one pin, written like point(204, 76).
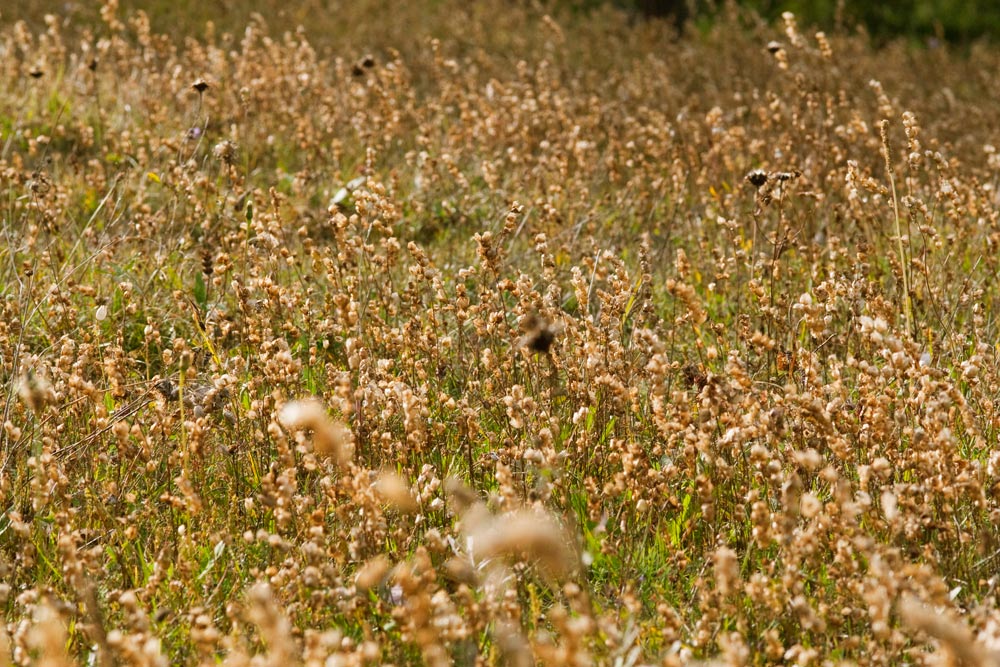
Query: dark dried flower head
point(167, 389)
point(365, 62)
point(225, 151)
point(539, 334)
point(239, 206)
point(39, 182)
point(694, 376)
point(200, 85)
point(541, 340)
point(35, 72)
point(207, 265)
point(774, 46)
point(757, 177)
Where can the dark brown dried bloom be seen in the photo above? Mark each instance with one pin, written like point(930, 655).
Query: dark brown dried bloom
point(207, 266)
point(757, 177)
point(225, 151)
point(539, 334)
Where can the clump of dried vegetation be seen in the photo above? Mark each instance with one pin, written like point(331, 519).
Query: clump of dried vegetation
point(473, 334)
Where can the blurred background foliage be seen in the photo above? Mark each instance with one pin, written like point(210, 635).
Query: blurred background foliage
point(920, 22)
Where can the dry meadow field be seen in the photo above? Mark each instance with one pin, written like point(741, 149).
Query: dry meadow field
point(495, 334)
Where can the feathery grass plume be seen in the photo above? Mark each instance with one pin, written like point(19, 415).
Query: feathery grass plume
point(727, 570)
point(5, 655)
point(372, 573)
point(953, 635)
point(459, 493)
point(274, 627)
point(461, 570)
point(514, 648)
point(532, 535)
point(48, 637)
point(395, 491)
point(330, 438)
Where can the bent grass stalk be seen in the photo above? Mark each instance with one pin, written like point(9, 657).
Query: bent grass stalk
point(903, 263)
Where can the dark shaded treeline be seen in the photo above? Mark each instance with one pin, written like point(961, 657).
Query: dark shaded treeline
point(954, 21)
